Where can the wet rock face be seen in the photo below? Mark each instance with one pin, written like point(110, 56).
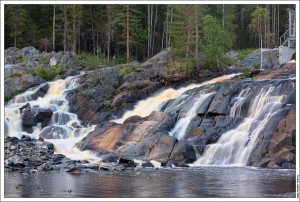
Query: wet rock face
point(31, 116)
point(143, 139)
point(105, 93)
point(54, 132)
point(20, 84)
point(277, 147)
point(148, 138)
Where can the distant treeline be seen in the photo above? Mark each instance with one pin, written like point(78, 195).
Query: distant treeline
point(137, 32)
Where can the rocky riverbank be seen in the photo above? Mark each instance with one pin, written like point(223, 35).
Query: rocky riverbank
point(105, 93)
point(29, 155)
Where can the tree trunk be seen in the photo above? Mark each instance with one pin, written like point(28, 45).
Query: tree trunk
point(197, 45)
point(148, 48)
point(108, 30)
point(153, 35)
point(187, 52)
point(65, 28)
point(79, 35)
point(74, 30)
point(53, 34)
point(127, 33)
point(97, 41)
point(167, 27)
point(15, 39)
point(93, 32)
point(171, 20)
point(162, 38)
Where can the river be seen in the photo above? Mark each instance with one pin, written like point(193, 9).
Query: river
point(193, 182)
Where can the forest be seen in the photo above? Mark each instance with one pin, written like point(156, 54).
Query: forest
point(198, 34)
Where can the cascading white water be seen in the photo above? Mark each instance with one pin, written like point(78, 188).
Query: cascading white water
point(54, 99)
point(235, 146)
point(181, 126)
point(145, 107)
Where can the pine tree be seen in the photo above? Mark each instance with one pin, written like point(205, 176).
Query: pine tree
point(126, 18)
point(15, 21)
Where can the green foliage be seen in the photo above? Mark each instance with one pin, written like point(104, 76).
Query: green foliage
point(87, 60)
point(20, 58)
point(47, 73)
point(216, 42)
point(44, 59)
point(15, 21)
point(244, 53)
point(12, 75)
point(127, 70)
point(171, 26)
point(123, 104)
point(109, 107)
point(246, 74)
point(256, 66)
point(260, 16)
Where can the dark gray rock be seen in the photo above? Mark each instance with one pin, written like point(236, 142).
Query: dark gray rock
point(210, 130)
point(54, 132)
point(148, 165)
point(43, 114)
point(68, 60)
point(10, 59)
point(109, 158)
point(28, 51)
point(270, 59)
point(28, 118)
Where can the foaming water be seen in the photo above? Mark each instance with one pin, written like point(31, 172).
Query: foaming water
point(235, 146)
point(67, 129)
point(145, 107)
point(179, 130)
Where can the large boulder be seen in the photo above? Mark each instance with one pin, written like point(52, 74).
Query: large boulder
point(269, 59)
point(28, 51)
point(67, 60)
point(27, 116)
point(54, 132)
point(13, 86)
point(145, 139)
point(277, 146)
point(92, 98)
point(14, 69)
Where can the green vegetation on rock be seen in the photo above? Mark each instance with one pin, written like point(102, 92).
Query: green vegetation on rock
point(47, 73)
point(244, 53)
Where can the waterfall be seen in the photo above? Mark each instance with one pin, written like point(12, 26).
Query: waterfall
point(235, 146)
point(67, 130)
point(144, 107)
point(181, 126)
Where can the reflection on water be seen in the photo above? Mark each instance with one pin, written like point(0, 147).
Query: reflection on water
point(216, 182)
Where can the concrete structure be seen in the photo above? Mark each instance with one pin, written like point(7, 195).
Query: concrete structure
point(288, 40)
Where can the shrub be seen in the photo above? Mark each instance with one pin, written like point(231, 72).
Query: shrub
point(127, 70)
point(123, 104)
point(47, 73)
point(44, 59)
point(87, 60)
point(244, 53)
point(20, 58)
point(11, 75)
point(246, 74)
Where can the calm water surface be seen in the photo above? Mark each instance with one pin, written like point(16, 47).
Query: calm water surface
point(238, 182)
